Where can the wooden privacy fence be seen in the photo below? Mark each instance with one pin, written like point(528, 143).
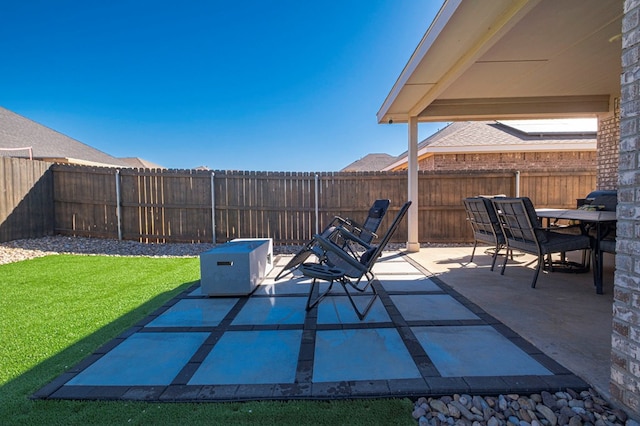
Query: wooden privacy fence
point(186, 205)
point(26, 199)
point(176, 205)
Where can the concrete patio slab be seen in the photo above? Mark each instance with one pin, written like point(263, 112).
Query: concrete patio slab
point(409, 283)
point(338, 310)
point(195, 313)
point(251, 357)
point(344, 355)
point(431, 307)
point(130, 363)
point(272, 310)
point(475, 351)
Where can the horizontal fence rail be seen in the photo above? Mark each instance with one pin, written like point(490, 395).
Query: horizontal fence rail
point(157, 206)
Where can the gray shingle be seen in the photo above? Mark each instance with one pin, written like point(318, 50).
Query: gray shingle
point(17, 131)
point(467, 134)
point(370, 163)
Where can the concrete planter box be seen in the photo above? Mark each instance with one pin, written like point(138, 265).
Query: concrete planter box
point(235, 268)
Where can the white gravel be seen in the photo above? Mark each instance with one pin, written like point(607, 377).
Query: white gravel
point(18, 250)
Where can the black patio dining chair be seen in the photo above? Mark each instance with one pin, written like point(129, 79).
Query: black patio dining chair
point(600, 200)
point(604, 201)
point(349, 271)
point(366, 231)
point(485, 225)
point(606, 245)
point(523, 232)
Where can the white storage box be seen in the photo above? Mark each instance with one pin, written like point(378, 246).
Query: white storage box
point(234, 268)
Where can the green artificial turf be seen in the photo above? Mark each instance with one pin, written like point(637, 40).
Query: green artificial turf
point(56, 310)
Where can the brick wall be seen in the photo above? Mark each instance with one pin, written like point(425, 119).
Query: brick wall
point(608, 151)
point(523, 161)
point(625, 366)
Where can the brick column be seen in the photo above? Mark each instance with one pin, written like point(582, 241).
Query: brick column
point(625, 356)
point(608, 150)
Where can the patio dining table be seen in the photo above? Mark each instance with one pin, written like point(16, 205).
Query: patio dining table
point(599, 218)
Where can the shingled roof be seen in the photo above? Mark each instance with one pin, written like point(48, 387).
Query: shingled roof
point(370, 162)
point(17, 131)
point(497, 136)
point(140, 163)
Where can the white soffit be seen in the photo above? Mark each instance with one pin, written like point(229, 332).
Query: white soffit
point(504, 59)
point(554, 126)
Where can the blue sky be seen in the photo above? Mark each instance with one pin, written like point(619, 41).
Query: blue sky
point(259, 85)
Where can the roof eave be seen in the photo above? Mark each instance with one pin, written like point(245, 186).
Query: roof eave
point(501, 22)
point(442, 18)
point(485, 149)
point(489, 149)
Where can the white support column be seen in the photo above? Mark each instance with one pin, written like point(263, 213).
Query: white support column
point(413, 243)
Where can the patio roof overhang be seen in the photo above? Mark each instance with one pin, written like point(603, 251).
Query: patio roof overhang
point(506, 59)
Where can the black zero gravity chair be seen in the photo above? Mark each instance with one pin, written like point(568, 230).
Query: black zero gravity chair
point(365, 231)
point(342, 266)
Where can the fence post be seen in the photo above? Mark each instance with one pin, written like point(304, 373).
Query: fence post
point(517, 183)
point(118, 205)
point(213, 207)
point(317, 180)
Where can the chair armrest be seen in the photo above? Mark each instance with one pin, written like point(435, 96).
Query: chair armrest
point(355, 226)
point(364, 231)
point(329, 246)
point(348, 235)
point(337, 221)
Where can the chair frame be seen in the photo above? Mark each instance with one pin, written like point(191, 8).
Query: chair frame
point(333, 231)
point(346, 269)
point(604, 245)
point(485, 225)
point(522, 232)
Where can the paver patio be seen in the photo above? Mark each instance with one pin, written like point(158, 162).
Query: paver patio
point(420, 338)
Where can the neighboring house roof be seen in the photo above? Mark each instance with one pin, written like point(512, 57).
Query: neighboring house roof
point(46, 144)
point(140, 163)
point(504, 136)
point(370, 162)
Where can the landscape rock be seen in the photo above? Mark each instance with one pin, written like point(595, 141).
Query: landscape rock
point(565, 408)
point(549, 400)
point(439, 406)
point(547, 413)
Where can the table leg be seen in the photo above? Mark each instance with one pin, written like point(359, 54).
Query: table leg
point(598, 269)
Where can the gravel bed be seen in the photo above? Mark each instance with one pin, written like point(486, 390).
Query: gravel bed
point(18, 250)
point(538, 409)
